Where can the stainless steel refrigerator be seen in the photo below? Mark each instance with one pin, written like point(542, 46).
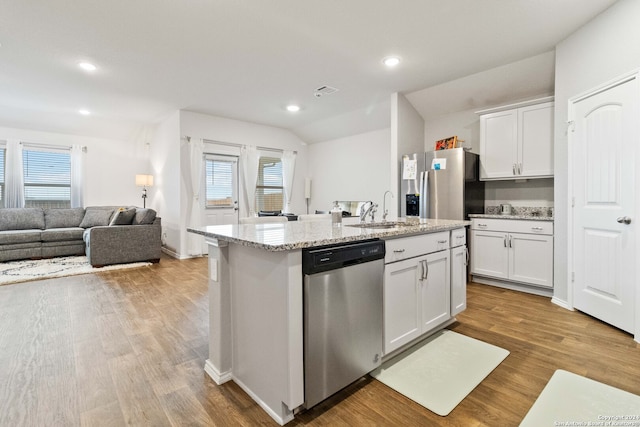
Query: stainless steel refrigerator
point(446, 186)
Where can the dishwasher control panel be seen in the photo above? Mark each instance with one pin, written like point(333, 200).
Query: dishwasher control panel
point(317, 260)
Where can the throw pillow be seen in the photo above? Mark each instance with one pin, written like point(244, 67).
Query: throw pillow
point(123, 216)
point(96, 217)
point(144, 216)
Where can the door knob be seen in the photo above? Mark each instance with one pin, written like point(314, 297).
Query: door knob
point(624, 220)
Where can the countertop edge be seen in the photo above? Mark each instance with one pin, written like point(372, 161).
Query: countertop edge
point(405, 231)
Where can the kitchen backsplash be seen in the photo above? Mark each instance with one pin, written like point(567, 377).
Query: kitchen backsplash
point(521, 210)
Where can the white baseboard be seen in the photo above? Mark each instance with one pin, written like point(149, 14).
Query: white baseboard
point(175, 255)
point(545, 292)
point(282, 420)
point(561, 303)
point(218, 377)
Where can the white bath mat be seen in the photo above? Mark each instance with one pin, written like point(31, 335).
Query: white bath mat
point(571, 400)
point(441, 371)
point(22, 271)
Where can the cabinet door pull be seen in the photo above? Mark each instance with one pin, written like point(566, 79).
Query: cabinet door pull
point(466, 261)
point(519, 168)
point(505, 241)
point(426, 265)
point(514, 169)
point(398, 251)
point(510, 243)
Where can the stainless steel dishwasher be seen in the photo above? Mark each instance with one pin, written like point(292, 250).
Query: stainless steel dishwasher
point(342, 316)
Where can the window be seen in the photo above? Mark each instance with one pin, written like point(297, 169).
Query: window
point(2, 178)
point(221, 181)
point(47, 178)
point(269, 190)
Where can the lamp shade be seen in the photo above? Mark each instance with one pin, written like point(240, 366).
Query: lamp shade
point(144, 180)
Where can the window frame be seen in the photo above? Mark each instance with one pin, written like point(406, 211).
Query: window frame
point(27, 184)
point(234, 180)
point(270, 156)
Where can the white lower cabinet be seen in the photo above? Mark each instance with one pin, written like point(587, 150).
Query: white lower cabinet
point(524, 257)
point(459, 261)
point(417, 290)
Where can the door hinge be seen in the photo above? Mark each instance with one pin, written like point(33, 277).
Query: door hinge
point(571, 125)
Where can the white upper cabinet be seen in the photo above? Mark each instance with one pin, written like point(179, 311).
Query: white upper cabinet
point(517, 141)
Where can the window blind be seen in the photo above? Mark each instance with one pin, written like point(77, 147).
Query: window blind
point(2, 178)
point(47, 178)
point(219, 183)
point(269, 189)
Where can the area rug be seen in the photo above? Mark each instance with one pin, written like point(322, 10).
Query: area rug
point(572, 400)
point(441, 371)
point(22, 271)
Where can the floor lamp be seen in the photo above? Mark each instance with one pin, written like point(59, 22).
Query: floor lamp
point(144, 181)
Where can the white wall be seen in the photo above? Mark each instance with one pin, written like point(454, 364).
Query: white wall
point(350, 168)
point(532, 193)
point(600, 51)
point(110, 165)
point(407, 136)
point(464, 124)
point(164, 197)
point(171, 135)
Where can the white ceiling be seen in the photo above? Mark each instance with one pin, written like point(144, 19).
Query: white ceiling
point(247, 59)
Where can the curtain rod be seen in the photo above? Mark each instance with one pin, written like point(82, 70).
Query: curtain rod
point(232, 144)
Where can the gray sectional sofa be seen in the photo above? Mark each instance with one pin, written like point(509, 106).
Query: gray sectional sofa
point(106, 234)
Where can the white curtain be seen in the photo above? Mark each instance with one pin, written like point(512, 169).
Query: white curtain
point(77, 176)
point(288, 170)
point(196, 160)
point(14, 181)
point(249, 159)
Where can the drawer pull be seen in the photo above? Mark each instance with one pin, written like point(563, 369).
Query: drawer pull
point(398, 251)
point(459, 237)
point(442, 241)
point(482, 225)
point(537, 228)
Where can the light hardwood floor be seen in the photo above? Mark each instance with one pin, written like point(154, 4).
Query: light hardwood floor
point(128, 347)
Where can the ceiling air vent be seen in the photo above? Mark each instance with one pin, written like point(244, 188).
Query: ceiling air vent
point(324, 90)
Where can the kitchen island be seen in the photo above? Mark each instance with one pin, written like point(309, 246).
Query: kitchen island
point(256, 301)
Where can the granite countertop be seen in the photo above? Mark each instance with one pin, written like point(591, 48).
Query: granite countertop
point(305, 234)
point(523, 216)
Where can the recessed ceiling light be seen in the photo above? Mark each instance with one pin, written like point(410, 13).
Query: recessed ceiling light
point(293, 108)
point(84, 112)
point(391, 61)
point(87, 66)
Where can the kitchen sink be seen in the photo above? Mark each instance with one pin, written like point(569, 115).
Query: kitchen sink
point(389, 224)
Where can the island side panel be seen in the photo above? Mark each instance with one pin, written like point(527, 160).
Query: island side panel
point(266, 295)
point(218, 366)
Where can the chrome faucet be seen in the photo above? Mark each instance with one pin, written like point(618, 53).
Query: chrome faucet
point(385, 212)
point(371, 210)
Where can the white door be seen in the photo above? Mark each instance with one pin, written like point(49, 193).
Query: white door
point(498, 144)
point(435, 292)
point(603, 141)
point(489, 254)
point(401, 302)
point(459, 257)
point(535, 134)
point(221, 184)
point(531, 259)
